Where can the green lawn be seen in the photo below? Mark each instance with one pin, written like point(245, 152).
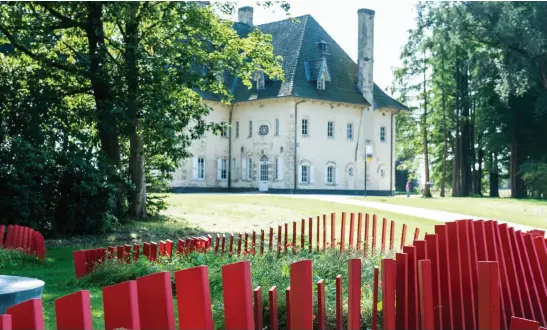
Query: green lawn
point(187, 215)
point(525, 212)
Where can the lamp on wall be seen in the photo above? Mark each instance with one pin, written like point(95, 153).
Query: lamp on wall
point(242, 149)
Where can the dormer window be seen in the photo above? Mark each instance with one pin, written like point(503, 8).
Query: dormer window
point(321, 83)
point(323, 75)
point(260, 81)
point(323, 46)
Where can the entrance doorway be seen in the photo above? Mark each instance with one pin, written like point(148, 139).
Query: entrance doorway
point(263, 175)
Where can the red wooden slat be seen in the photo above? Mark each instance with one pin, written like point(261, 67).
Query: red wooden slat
point(332, 230)
point(146, 250)
point(324, 232)
point(421, 249)
point(27, 315)
point(9, 237)
point(384, 228)
point(375, 300)
point(537, 275)
point(512, 275)
point(5, 322)
point(193, 298)
point(238, 297)
point(389, 271)
point(489, 295)
point(523, 324)
point(246, 240)
point(262, 241)
point(217, 244)
point(322, 320)
point(294, 236)
point(257, 293)
point(301, 295)
point(16, 240)
point(343, 233)
point(136, 251)
point(79, 263)
point(523, 271)
point(317, 243)
point(121, 306)
point(339, 300)
point(156, 301)
point(366, 239)
point(24, 243)
point(351, 229)
point(403, 236)
point(416, 234)
point(239, 241)
point(373, 247)
point(288, 307)
point(279, 243)
point(310, 234)
point(272, 302)
point(427, 316)
point(92, 259)
point(454, 261)
point(271, 239)
point(480, 236)
point(119, 252)
point(231, 248)
point(354, 293)
point(359, 227)
point(466, 275)
point(392, 236)
point(402, 291)
point(493, 236)
point(413, 303)
point(101, 255)
point(153, 251)
point(223, 243)
point(168, 247)
point(87, 256)
point(433, 255)
point(127, 253)
point(74, 311)
point(285, 240)
point(302, 233)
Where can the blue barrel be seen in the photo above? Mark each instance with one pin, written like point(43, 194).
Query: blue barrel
point(16, 289)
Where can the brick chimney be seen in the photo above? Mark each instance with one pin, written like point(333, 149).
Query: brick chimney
point(245, 15)
point(365, 53)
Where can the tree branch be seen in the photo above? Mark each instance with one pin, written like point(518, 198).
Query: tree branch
point(67, 22)
point(36, 57)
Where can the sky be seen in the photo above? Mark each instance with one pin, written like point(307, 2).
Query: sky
point(392, 21)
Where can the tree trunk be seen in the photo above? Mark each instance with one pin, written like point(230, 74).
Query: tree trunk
point(445, 132)
point(136, 146)
point(466, 178)
point(494, 176)
point(107, 123)
point(518, 189)
point(427, 192)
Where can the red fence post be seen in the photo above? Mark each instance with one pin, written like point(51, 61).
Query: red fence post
point(389, 282)
point(310, 234)
point(302, 233)
point(339, 293)
point(433, 255)
point(136, 251)
point(318, 242)
point(27, 315)
point(301, 295)
point(262, 241)
point(413, 299)
point(343, 233)
point(455, 271)
point(518, 323)
point(74, 311)
point(246, 240)
point(279, 237)
point(272, 302)
point(121, 306)
point(392, 236)
point(537, 275)
point(403, 236)
point(351, 229)
point(427, 316)
point(324, 232)
point(294, 236)
point(2, 231)
point(384, 228)
point(354, 293)
point(168, 248)
point(238, 297)
point(416, 234)
point(153, 251)
point(467, 264)
point(322, 320)
point(156, 301)
point(271, 239)
point(375, 300)
point(402, 291)
point(223, 243)
point(231, 248)
point(366, 240)
point(239, 241)
point(288, 307)
point(127, 253)
point(257, 293)
point(194, 298)
point(285, 240)
point(5, 322)
point(373, 248)
point(359, 227)
point(523, 272)
point(489, 295)
point(79, 263)
point(332, 230)
point(511, 270)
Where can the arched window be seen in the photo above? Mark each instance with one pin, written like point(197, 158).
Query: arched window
point(330, 174)
point(306, 172)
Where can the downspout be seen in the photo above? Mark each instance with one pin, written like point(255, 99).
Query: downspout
point(230, 149)
point(296, 143)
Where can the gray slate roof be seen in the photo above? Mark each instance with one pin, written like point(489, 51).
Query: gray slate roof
point(296, 41)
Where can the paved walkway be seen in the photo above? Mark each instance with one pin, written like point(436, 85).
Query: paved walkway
point(402, 209)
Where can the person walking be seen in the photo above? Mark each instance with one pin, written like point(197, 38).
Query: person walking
point(408, 188)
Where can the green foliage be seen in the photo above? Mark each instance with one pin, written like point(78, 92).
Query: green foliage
point(13, 259)
point(266, 271)
point(534, 175)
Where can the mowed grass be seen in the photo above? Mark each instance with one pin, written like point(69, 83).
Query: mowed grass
point(525, 212)
point(190, 215)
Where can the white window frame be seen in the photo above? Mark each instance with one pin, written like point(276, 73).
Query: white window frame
point(321, 83)
point(349, 131)
point(276, 127)
point(330, 129)
point(224, 131)
point(237, 129)
point(382, 134)
point(250, 129)
point(331, 172)
point(306, 172)
point(305, 127)
point(224, 169)
point(249, 169)
point(201, 168)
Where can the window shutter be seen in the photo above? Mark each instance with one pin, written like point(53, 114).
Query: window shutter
point(244, 168)
point(311, 174)
point(234, 170)
point(336, 175)
point(300, 174)
point(280, 168)
point(194, 168)
point(219, 168)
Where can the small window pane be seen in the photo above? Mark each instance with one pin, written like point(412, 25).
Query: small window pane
point(276, 126)
point(201, 168)
point(330, 129)
point(224, 169)
point(350, 131)
point(237, 129)
point(304, 127)
point(224, 132)
point(305, 174)
point(383, 134)
point(250, 128)
point(250, 169)
point(330, 174)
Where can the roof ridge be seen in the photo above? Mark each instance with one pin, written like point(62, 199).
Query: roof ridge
point(298, 53)
point(286, 19)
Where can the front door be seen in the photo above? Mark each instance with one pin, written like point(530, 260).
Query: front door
point(263, 177)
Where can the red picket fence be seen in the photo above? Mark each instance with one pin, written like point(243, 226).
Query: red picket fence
point(23, 238)
point(359, 237)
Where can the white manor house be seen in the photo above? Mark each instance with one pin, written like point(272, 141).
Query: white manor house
point(311, 133)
